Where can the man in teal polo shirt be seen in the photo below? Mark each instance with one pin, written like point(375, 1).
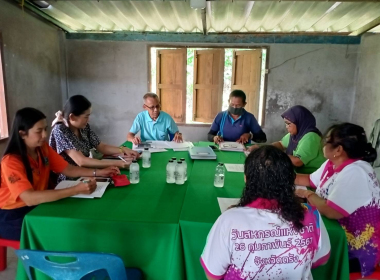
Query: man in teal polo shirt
point(153, 123)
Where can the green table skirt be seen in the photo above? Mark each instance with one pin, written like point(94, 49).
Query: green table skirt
point(138, 222)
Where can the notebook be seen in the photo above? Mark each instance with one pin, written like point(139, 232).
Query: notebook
point(202, 153)
point(231, 146)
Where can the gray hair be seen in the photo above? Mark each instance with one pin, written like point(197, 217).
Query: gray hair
point(151, 95)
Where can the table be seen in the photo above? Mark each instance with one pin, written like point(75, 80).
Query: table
point(139, 223)
point(201, 209)
point(158, 227)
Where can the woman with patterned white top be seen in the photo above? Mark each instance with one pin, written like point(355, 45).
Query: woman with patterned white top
point(270, 234)
point(347, 190)
point(73, 138)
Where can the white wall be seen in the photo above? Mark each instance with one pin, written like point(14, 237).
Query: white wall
point(367, 99)
point(32, 62)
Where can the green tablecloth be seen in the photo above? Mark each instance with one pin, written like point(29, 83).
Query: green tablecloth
point(201, 209)
point(160, 228)
point(138, 223)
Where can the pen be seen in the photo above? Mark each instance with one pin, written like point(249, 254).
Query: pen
point(122, 159)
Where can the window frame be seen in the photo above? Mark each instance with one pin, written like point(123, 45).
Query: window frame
point(3, 99)
point(265, 86)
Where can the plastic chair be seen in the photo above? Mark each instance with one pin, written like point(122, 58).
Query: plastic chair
point(4, 243)
point(93, 264)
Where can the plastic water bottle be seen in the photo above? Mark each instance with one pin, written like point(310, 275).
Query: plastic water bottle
point(184, 167)
point(219, 176)
point(170, 172)
point(146, 158)
point(134, 172)
point(179, 174)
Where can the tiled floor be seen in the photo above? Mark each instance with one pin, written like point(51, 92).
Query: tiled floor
point(10, 272)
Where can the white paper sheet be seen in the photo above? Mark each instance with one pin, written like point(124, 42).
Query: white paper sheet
point(224, 203)
point(99, 191)
point(300, 187)
point(231, 146)
point(234, 167)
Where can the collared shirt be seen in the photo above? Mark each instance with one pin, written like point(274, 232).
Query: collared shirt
point(309, 151)
point(254, 242)
point(233, 129)
point(353, 190)
point(14, 180)
point(154, 130)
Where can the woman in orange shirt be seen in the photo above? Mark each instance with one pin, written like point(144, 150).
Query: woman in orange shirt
point(25, 169)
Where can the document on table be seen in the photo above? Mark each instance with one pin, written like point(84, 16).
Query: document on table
point(98, 193)
point(300, 187)
point(234, 167)
point(224, 203)
point(161, 146)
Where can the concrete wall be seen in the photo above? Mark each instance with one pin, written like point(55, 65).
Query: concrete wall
point(32, 60)
point(319, 77)
point(367, 97)
point(114, 76)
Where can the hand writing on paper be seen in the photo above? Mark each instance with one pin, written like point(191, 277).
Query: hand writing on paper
point(87, 186)
point(244, 138)
point(218, 139)
point(178, 137)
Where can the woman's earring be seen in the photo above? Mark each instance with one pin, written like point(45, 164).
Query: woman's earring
point(334, 155)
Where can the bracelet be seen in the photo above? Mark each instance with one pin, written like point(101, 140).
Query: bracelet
point(94, 172)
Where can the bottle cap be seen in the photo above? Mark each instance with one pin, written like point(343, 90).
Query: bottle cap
point(134, 161)
point(146, 149)
point(180, 162)
point(182, 159)
point(170, 160)
point(174, 158)
point(221, 163)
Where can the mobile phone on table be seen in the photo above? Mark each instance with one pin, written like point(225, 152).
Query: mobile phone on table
point(213, 147)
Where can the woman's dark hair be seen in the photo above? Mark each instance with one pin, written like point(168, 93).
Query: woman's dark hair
point(75, 105)
point(24, 120)
point(270, 175)
point(238, 93)
point(353, 140)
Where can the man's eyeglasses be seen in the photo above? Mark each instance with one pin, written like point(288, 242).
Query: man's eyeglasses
point(153, 107)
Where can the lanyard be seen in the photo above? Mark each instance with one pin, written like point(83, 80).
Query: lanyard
point(220, 132)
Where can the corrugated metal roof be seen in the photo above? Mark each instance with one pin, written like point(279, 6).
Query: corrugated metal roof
point(222, 16)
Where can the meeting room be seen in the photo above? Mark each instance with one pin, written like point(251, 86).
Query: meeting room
point(189, 140)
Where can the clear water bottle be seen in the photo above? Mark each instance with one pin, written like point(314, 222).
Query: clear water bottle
point(219, 176)
point(146, 158)
point(179, 174)
point(170, 172)
point(184, 167)
point(134, 172)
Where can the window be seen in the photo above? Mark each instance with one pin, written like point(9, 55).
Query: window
point(3, 111)
point(194, 83)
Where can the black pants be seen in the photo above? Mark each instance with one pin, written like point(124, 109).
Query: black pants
point(11, 222)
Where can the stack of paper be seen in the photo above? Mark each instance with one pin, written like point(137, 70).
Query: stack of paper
point(224, 203)
point(161, 146)
point(99, 191)
point(202, 153)
point(231, 146)
point(234, 167)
